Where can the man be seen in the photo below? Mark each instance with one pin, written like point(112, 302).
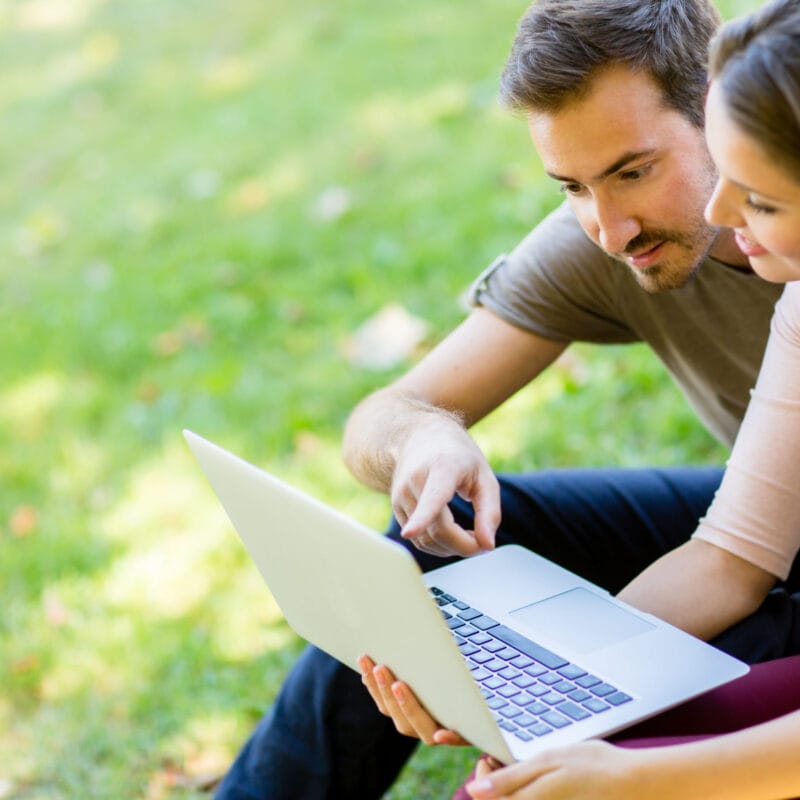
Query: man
point(613, 94)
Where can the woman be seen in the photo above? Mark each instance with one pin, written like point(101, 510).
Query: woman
point(753, 133)
point(740, 741)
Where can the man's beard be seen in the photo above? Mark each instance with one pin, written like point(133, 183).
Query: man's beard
point(676, 271)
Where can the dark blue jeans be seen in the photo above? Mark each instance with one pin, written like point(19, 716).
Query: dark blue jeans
point(324, 739)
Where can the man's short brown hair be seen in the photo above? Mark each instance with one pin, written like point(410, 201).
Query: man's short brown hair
point(560, 44)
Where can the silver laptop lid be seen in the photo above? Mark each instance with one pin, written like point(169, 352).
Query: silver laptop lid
point(348, 590)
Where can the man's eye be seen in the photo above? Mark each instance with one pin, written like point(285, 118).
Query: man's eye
point(635, 174)
point(571, 188)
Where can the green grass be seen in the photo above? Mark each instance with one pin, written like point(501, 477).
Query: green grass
point(165, 264)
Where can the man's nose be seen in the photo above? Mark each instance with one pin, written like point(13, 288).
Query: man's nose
point(615, 226)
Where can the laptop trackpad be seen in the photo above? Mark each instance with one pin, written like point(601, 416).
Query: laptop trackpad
point(580, 620)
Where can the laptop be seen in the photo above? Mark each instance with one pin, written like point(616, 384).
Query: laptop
point(513, 652)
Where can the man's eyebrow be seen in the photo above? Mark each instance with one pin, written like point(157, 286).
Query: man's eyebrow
point(621, 162)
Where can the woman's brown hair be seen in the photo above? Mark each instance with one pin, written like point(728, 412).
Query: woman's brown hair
point(756, 62)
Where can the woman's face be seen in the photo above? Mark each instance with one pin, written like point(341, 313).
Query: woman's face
point(753, 195)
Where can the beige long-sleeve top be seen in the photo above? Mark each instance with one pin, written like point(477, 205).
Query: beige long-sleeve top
point(756, 511)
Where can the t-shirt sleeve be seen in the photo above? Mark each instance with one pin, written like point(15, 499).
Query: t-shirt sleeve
point(756, 511)
point(557, 284)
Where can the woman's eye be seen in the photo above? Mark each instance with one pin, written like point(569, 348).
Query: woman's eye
point(759, 208)
point(571, 188)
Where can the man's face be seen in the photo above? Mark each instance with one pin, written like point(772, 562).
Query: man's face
point(637, 175)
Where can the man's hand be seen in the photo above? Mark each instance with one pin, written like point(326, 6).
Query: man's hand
point(437, 462)
point(397, 701)
point(410, 439)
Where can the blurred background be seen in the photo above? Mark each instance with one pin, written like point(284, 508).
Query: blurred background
point(238, 217)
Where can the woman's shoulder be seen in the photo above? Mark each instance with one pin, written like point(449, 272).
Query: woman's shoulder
point(786, 320)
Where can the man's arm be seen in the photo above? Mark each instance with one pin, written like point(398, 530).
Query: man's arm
point(410, 439)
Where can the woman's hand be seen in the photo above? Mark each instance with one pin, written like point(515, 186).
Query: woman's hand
point(591, 770)
point(396, 700)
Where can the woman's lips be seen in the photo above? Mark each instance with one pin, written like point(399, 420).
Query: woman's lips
point(750, 249)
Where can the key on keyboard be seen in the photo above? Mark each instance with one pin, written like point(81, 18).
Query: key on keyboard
point(530, 689)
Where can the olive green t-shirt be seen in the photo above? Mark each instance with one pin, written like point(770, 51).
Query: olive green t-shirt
point(710, 334)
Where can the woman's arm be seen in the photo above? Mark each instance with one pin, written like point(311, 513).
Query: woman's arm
point(699, 588)
point(759, 763)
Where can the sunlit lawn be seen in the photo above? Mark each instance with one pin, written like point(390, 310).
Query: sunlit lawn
point(201, 203)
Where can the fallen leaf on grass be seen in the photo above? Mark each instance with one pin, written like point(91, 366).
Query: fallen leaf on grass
point(148, 392)
point(25, 664)
point(574, 366)
point(307, 444)
point(332, 204)
point(171, 342)
point(55, 612)
point(24, 521)
point(203, 184)
point(385, 339)
point(173, 776)
point(251, 195)
point(168, 343)
point(228, 75)
point(41, 231)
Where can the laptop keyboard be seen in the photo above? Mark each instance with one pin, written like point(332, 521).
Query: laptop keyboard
point(530, 690)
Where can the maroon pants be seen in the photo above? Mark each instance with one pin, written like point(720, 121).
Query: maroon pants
point(769, 690)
